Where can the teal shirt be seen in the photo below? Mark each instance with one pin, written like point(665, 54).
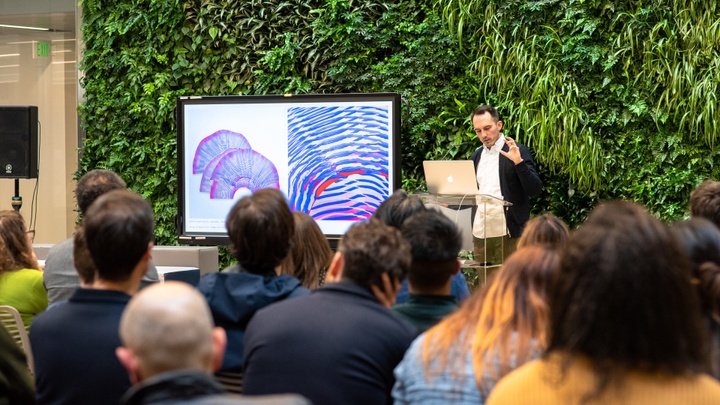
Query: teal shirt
point(425, 311)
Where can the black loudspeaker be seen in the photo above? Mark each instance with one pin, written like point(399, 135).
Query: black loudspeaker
point(18, 142)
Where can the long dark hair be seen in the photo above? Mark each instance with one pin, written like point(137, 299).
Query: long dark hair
point(623, 299)
point(310, 255)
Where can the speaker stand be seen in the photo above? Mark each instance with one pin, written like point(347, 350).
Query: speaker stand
point(16, 199)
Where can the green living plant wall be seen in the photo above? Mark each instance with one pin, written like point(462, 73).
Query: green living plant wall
point(615, 98)
point(140, 56)
point(618, 99)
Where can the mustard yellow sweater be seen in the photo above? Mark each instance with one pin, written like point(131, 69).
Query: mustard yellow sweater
point(539, 382)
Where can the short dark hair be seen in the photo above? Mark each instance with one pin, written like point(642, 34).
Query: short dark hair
point(705, 201)
point(435, 242)
point(483, 109)
point(371, 248)
point(623, 298)
point(260, 227)
point(82, 259)
point(119, 225)
point(398, 207)
point(95, 183)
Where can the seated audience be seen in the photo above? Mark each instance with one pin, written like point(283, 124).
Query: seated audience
point(20, 278)
point(170, 350)
point(435, 243)
point(498, 329)
point(394, 211)
point(546, 230)
point(16, 383)
point(74, 343)
point(624, 319)
point(59, 275)
point(339, 344)
point(705, 201)
point(310, 255)
point(700, 239)
point(260, 227)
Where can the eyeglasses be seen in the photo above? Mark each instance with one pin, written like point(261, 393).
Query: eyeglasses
point(31, 234)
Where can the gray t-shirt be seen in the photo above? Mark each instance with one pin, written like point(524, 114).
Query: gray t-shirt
point(61, 279)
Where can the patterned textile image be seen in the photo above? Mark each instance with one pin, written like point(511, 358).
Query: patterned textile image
point(338, 159)
point(227, 163)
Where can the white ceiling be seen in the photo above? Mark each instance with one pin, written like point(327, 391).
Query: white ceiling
point(58, 15)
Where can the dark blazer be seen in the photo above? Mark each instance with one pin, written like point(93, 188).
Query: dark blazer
point(338, 345)
point(517, 184)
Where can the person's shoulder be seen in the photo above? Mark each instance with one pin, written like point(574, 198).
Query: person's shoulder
point(706, 387)
point(47, 321)
point(512, 388)
point(234, 399)
point(29, 274)
point(60, 250)
point(59, 258)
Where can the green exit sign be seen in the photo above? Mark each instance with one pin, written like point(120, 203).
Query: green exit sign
point(42, 49)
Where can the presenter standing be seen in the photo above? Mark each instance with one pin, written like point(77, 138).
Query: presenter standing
point(504, 169)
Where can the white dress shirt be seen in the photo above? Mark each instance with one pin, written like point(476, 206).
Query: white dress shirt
point(490, 218)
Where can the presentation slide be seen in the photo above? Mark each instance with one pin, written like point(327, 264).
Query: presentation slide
point(334, 157)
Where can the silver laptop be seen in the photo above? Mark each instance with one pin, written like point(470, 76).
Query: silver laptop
point(450, 177)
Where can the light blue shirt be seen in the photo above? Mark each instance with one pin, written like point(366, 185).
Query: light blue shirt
point(447, 386)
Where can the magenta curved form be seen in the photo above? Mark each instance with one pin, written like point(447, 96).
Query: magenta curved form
point(242, 168)
point(215, 144)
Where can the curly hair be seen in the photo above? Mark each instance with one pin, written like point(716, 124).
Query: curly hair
point(15, 247)
point(705, 201)
point(624, 300)
point(95, 183)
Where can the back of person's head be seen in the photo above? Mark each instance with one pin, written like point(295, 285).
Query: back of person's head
point(398, 207)
point(705, 201)
point(15, 247)
point(624, 299)
point(371, 248)
point(82, 259)
point(435, 242)
point(700, 239)
point(504, 323)
point(95, 183)
point(546, 230)
point(166, 327)
point(260, 227)
point(310, 253)
point(119, 228)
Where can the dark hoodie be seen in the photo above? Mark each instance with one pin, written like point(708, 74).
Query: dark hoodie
point(234, 296)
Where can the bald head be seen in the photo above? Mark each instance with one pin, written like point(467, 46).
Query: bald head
point(168, 326)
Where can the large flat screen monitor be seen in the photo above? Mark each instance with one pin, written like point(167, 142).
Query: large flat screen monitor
point(335, 157)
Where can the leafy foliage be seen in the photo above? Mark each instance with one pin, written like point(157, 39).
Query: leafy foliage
point(616, 99)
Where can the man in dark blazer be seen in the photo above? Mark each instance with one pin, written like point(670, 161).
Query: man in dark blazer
point(507, 172)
